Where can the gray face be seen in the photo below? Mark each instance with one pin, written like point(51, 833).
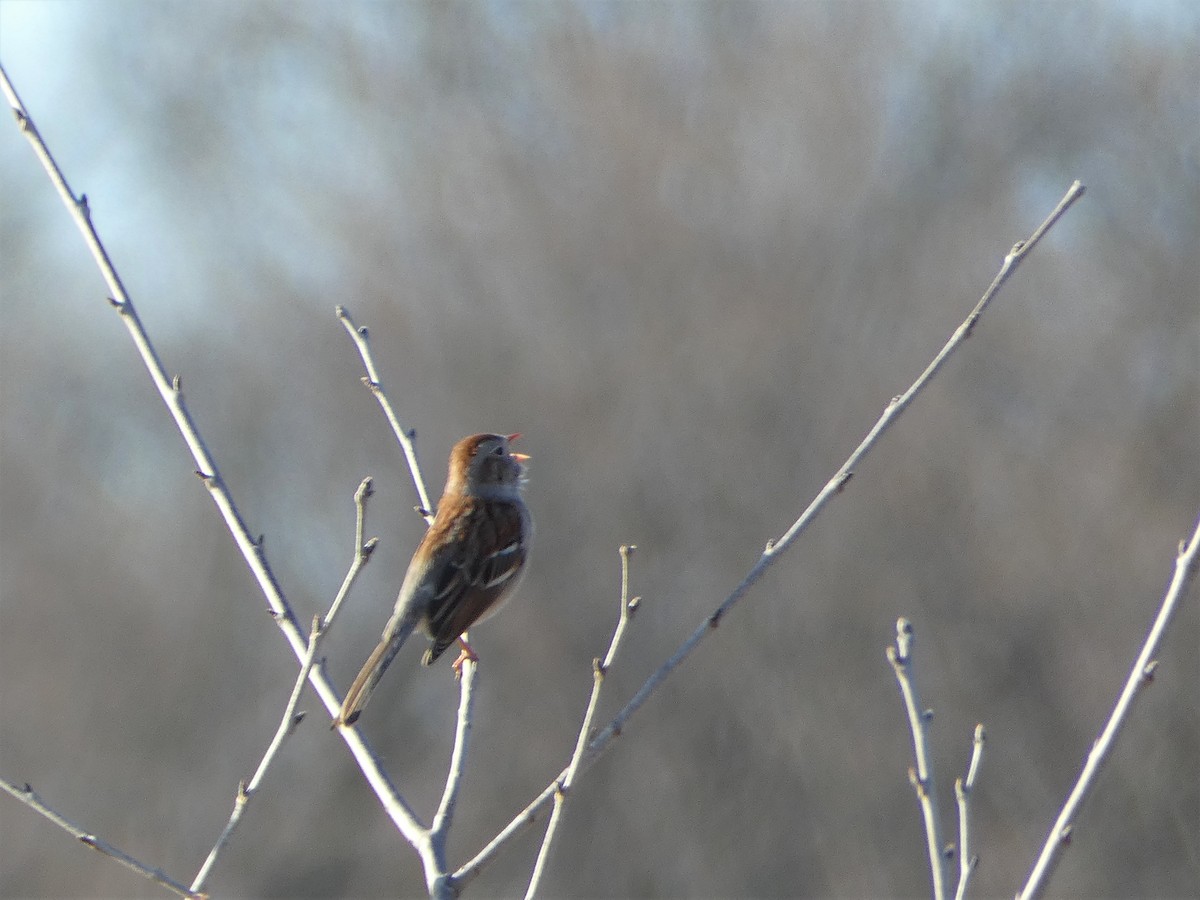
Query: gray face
point(492, 462)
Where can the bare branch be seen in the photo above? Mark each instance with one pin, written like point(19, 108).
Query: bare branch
point(406, 436)
point(362, 550)
point(246, 790)
point(600, 668)
point(27, 796)
point(775, 547)
point(962, 794)
point(170, 390)
point(469, 870)
point(442, 819)
point(1186, 565)
point(922, 778)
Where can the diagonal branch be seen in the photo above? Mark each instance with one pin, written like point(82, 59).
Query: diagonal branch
point(835, 485)
point(600, 669)
point(290, 718)
point(1186, 565)
point(27, 796)
point(363, 548)
point(775, 548)
point(406, 436)
point(246, 790)
point(170, 389)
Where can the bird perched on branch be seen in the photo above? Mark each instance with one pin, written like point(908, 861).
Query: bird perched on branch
point(465, 567)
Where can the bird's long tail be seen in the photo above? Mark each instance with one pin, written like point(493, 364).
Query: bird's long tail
point(381, 657)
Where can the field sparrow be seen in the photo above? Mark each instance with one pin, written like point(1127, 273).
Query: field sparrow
point(467, 564)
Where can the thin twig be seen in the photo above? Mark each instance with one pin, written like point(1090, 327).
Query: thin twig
point(170, 389)
point(962, 794)
point(246, 790)
point(1186, 565)
point(406, 436)
point(922, 778)
point(362, 550)
point(444, 816)
point(600, 669)
point(775, 548)
point(27, 796)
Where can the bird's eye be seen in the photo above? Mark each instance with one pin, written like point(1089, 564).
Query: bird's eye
point(499, 451)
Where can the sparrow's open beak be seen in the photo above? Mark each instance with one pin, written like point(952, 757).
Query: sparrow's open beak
point(519, 457)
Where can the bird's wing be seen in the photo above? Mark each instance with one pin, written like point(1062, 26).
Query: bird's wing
point(479, 566)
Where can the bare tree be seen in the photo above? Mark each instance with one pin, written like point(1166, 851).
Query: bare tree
point(736, 361)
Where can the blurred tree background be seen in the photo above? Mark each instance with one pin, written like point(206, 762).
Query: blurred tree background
point(690, 250)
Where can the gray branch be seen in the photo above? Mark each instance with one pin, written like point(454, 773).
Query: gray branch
point(27, 796)
point(246, 790)
point(921, 777)
point(170, 389)
point(406, 436)
point(962, 795)
point(600, 669)
point(1142, 673)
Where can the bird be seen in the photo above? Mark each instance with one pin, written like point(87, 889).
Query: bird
point(468, 564)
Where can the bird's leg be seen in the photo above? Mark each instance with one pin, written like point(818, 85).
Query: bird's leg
point(468, 653)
